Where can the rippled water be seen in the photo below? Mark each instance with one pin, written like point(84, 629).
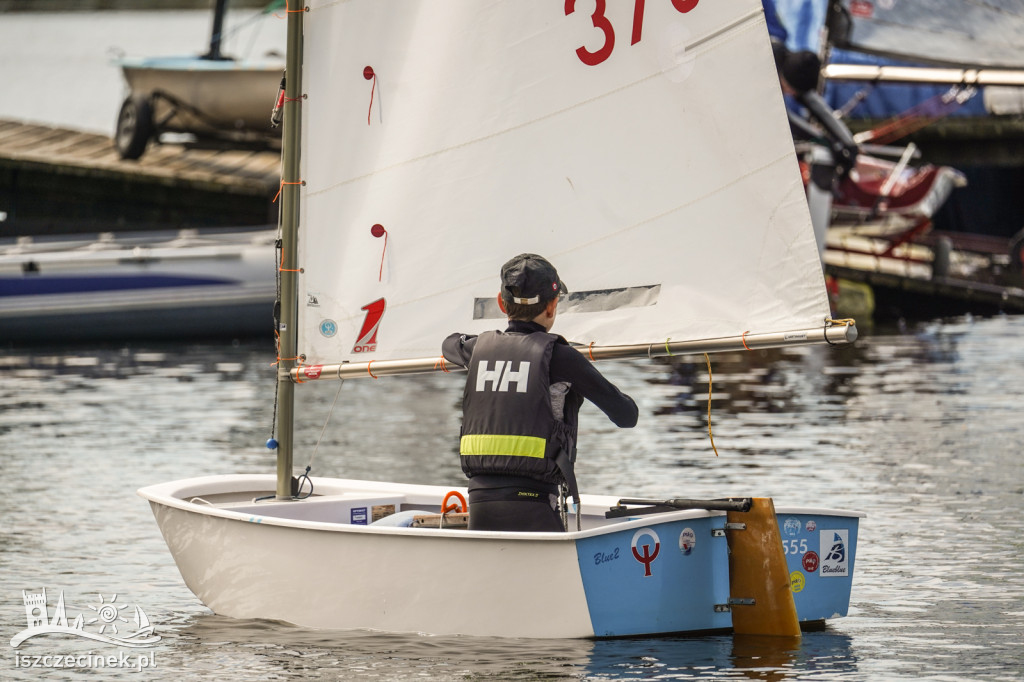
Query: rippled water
point(921, 429)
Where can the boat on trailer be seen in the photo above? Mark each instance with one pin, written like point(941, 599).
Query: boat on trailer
point(215, 99)
point(424, 144)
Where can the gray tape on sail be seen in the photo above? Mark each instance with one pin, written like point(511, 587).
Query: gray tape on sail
point(582, 301)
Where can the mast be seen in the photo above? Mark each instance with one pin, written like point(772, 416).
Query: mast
point(218, 30)
point(288, 321)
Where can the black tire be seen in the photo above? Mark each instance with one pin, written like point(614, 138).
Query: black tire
point(134, 127)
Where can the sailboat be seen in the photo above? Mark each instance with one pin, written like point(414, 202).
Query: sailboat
point(214, 98)
point(645, 151)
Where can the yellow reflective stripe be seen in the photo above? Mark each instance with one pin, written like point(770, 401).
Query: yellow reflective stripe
point(511, 446)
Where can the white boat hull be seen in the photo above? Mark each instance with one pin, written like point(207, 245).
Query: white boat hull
point(307, 563)
point(220, 95)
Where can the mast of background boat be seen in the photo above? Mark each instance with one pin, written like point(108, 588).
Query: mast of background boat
point(217, 31)
point(288, 321)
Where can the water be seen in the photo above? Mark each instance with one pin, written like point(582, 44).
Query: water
point(921, 429)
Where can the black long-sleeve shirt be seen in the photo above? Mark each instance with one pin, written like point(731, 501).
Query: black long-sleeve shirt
point(567, 365)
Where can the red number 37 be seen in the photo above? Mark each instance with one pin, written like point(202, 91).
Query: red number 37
point(600, 21)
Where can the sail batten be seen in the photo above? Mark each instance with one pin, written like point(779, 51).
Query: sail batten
point(491, 129)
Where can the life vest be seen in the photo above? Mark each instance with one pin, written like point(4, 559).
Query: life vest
point(508, 427)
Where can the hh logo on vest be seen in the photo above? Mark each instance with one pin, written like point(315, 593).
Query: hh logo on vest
point(499, 378)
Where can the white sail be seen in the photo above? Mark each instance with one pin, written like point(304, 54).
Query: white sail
point(481, 133)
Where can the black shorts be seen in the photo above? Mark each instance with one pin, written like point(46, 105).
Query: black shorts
point(514, 509)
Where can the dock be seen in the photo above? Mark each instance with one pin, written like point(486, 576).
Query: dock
point(60, 181)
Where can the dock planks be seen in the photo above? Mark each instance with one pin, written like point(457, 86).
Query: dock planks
point(59, 180)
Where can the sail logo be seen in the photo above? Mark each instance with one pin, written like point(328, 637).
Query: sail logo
point(110, 624)
point(833, 552)
point(502, 376)
point(643, 553)
point(366, 342)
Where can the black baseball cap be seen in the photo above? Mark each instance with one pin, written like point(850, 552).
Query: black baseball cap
point(528, 279)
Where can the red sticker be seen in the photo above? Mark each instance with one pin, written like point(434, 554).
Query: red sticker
point(810, 562)
point(862, 8)
point(313, 371)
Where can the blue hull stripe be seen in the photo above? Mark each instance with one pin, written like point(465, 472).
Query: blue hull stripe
point(32, 285)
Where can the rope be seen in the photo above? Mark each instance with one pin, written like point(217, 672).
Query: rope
point(743, 339)
point(283, 183)
point(710, 435)
point(368, 369)
point(844, 322)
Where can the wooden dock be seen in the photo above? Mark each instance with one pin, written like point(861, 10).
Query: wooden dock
point(54, 181)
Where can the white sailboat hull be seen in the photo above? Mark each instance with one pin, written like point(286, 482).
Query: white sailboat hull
point(305, 562)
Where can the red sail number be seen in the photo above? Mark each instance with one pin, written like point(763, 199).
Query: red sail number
point(601, 22)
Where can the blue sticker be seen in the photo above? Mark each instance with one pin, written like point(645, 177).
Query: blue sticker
point(358, 515)
point(328, 328)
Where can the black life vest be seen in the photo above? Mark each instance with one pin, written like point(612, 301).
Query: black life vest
point(508, 425)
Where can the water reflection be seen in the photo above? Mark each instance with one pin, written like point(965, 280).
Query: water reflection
point(269, 648)
point(921, 430)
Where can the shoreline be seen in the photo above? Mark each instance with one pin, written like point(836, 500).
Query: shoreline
point(40, 6)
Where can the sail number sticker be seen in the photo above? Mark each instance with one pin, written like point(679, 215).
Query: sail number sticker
point(602, 23)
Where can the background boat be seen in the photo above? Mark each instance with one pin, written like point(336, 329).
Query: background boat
point(935, 223)
point(213, 97)
point(130, 286)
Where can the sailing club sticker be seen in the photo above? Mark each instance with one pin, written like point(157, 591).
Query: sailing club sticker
point(791, 526)
point(312, 299)
point(811, 526)
point(834, 553)
point(810, 561)
point(646, 550)
point(687, 540)
point(797, 581)
point(328, 328)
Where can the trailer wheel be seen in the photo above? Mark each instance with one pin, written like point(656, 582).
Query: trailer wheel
point(1017, 252)
point(134, 127)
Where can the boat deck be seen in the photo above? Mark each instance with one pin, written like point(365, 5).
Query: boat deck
point(55, 180)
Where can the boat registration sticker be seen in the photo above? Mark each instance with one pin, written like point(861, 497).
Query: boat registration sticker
point(834, 555)
point(357, 516)
point(687, 540)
